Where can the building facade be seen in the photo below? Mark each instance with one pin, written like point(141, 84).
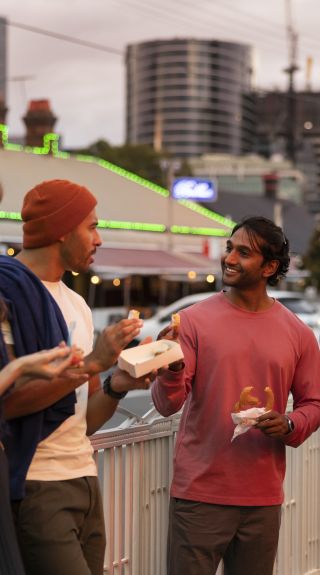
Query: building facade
point(295, 134)
point(252, 175)
point(190, 97)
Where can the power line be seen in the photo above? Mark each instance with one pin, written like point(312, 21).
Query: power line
point(162, 12)
point(222, 24)
point(66, 38)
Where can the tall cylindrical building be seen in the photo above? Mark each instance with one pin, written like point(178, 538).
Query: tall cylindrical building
point(190, 97)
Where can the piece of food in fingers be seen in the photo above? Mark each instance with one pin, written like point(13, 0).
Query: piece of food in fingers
point(77, 356)
point(133, 314)
point(175, 323)
point(246, 400)
point(270, 398)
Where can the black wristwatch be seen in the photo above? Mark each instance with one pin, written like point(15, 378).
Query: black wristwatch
point(107, 389)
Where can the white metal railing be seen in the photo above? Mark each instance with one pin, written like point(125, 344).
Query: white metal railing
point(135, 469)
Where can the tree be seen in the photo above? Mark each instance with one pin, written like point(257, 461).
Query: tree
point(140, 159)
point(311, 260)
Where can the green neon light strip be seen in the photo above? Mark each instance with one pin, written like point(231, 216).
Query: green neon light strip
point(51, 145)
point(10, 216)
point(207, 213)
point(113, 225)
point(217, 232)
point(138, 226)
point(124, 173)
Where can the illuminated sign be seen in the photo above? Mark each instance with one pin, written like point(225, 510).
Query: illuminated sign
point(194, 189)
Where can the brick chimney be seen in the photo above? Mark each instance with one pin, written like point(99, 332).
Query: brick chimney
point(39, 120)
point(271, 184)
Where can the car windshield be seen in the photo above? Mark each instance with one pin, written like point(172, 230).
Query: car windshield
point(298, 305)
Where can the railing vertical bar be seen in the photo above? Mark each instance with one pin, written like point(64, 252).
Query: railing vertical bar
point(109, 507)
point(128, 510)
point(136, 502)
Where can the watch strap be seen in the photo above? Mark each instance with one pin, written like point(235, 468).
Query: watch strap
point(107, 389)
point(290, 424)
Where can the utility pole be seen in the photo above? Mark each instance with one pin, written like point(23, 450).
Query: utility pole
point(22, 81)
point(292, 38)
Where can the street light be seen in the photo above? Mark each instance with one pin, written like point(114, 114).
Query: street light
point(169, 168)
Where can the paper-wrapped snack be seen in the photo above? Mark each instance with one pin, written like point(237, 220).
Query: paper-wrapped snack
point(246, 419)
point(246, 412)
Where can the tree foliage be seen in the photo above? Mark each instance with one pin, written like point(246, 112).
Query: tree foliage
point(142, 160)
point(311, 260)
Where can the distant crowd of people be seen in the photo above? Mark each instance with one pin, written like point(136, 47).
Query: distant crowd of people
point(240, 347)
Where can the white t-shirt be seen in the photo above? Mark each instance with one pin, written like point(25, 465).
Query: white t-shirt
point(67, 452)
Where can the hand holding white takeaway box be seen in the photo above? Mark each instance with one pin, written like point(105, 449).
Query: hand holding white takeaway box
point(140, 360)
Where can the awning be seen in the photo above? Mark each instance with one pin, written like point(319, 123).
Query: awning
point(126, 261)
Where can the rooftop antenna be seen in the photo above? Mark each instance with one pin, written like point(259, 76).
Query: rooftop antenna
point(292, 39)
point(23, 83)
point(309, 73)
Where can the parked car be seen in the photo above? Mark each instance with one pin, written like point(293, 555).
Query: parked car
point(104, 316)
point(306, 310)
point(162, 318)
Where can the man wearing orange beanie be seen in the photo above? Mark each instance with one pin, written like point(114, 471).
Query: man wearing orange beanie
point(59, 518)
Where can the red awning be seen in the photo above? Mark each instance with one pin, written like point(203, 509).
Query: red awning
point(127, 261)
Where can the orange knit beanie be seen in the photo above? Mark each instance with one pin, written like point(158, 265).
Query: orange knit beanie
point(52, 209)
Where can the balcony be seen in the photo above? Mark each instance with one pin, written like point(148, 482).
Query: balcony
point(135, 467)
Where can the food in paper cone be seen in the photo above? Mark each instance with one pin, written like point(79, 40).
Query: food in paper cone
point(270, 398)
point(246, 410)
point(246, 400)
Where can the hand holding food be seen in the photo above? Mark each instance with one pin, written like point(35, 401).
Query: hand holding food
point(110, 343)
point(48, 364)
point(175, 324)
point(142, 359)
point(246, 411)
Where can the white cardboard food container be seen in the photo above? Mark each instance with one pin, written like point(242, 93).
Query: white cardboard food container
point(138, 361)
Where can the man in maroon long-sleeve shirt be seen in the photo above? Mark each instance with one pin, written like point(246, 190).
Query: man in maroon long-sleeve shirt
point(226, 496)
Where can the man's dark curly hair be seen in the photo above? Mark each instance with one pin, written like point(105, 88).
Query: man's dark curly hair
point(270, 240)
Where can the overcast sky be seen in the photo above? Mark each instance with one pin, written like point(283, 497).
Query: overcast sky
point(86, 87)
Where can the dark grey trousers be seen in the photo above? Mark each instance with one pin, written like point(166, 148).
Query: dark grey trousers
point(201, 534)
point(10, 561)
point(60, 527)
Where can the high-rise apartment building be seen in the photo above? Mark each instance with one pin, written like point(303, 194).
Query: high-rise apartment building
point(190, 97)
